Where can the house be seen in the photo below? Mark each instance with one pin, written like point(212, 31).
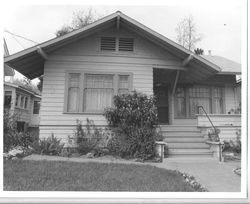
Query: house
point(21, 101)
point(85, 68)
point(25, 104)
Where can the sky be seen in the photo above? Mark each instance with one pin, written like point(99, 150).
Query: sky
point(219, 25)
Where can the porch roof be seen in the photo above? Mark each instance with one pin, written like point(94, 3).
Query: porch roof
point(227, 66)
point(30, 62)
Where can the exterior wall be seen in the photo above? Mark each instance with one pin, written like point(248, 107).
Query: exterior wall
point(228, 124)
point(231, 101)
point(85, 55)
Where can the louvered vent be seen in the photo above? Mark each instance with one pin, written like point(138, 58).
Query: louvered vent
point(126, 44)
point(108, 43)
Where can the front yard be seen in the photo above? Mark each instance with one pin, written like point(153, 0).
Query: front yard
point(20, 175)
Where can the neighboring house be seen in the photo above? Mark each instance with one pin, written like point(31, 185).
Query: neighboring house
point(116, 54)
point(24, 103)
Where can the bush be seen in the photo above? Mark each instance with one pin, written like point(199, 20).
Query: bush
point(12, 137)
point(87, 139)
point(134, 119)
point(233, 146)
point(48, 146)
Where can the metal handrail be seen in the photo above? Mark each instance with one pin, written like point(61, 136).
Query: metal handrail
point(208, 117)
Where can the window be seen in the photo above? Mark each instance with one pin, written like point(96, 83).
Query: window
point(117, 44)
point(93, 92)
point(199, 96)
point(17, 100)
point(26, 102)
point(218, 100)
point(98, 93)
point(7, 99)
point(73, 92)
point(180, 102)
point(188, 99)
point(123, 84)
point(36, 107)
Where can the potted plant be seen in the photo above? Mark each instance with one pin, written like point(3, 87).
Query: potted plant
point(213, 134)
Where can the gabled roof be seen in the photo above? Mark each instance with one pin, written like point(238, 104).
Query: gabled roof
point(22, 88)
point(8, 71)
point(30, 63)
point(227, 66)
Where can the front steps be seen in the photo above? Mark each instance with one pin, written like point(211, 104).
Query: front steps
point(185, 141)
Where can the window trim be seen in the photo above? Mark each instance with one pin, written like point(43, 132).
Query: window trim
point(82, 79)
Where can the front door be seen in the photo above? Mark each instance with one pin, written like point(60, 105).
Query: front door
point(161, 93)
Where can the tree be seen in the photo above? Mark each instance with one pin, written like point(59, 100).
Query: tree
point(199, 51)
point(79, 20)
point(186, 33)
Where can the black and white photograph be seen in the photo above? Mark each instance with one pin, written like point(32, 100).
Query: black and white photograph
point(125, 102)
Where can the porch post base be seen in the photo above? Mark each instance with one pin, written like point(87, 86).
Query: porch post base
point(216, 148)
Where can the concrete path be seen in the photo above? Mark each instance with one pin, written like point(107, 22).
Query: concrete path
point(215, 176)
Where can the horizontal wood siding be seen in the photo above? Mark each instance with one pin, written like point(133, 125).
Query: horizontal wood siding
point(85, 55)
point(228, 125)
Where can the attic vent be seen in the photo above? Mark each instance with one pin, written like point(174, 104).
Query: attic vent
point(108, 43)
point(126, 44)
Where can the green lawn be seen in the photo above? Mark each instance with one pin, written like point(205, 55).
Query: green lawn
point(21, 175)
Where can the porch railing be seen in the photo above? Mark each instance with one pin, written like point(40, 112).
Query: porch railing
point(207, 117)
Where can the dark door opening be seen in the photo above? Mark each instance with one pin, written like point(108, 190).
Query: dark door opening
point(161, 93)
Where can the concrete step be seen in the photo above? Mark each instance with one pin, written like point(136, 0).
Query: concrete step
point(190, 155)
point(184, 139)
point(187, 146)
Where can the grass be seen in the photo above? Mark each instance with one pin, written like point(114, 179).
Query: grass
point(21, 175)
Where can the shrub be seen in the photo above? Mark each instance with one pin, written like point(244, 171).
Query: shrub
point(48, 146)
point(12, 137)
point(134, 119)
point(234, 146)
point(87, 139)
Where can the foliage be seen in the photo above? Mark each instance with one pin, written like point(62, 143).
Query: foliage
point(48, 146)
point(79, 20)
point(27, 84)
point(12, 137)
point(237, 110)
point(134, 118)
point(87, 139)
point(186, 33)
point(233, 145)
point(198, 51)
point(213, 134)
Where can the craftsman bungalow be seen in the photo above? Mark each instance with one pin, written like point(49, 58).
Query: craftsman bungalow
point(85, 68)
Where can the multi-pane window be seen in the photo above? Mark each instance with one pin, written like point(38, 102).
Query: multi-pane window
point(123, 86)
point(199, 96)
point(189, 99)
point(98, 92)
point(36, 107)
point(218, 100)
point(26, 102)
point(180, 102)
point(22, 101)
point(17, 100)
point(7, 99)
point(92, 92)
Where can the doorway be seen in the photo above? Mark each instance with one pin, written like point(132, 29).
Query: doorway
point(161, 93)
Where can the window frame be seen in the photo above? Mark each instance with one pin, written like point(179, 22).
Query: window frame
point(82, 88)
point(39, 102)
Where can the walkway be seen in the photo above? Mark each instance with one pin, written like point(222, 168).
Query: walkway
point(215, 176)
